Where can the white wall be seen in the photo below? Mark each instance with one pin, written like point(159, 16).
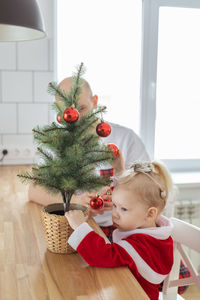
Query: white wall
point(26, 68)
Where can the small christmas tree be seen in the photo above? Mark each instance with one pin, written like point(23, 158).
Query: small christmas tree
point(70, 150)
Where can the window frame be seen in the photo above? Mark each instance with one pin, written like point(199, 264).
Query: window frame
point(150, 26)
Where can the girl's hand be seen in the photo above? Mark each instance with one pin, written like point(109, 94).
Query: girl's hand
point(75, 218)
point(118, 164)
point(106, 195)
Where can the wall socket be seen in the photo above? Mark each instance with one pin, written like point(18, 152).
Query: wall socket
point(18, 155)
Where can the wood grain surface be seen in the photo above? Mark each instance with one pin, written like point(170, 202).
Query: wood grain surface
point(29, 271)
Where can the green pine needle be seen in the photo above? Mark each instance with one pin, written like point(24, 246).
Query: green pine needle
point(69, 153)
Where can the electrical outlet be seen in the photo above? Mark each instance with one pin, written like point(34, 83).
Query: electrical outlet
point(18, 155)
point(4, 152)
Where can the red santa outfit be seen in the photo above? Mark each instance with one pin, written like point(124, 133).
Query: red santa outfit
point(148, 252)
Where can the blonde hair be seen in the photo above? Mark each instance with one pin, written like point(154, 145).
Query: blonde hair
point(150, 181)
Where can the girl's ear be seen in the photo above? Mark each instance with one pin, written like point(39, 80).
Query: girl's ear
point(152, 213)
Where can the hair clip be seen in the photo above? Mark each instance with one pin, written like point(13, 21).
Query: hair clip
point(145, 166)
point(163, 194)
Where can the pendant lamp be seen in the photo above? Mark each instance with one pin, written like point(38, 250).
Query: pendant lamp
point(20, 20)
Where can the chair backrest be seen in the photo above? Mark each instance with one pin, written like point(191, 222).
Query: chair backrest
point(184, 234)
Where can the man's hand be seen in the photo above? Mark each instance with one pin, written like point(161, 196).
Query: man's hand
point(75, 218)
point(84, 199)
point(118, 164)
point(106, 195)
point(94, 212)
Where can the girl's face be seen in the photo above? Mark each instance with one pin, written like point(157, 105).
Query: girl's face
point(128, 212)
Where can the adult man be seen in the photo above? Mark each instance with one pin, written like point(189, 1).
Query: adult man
point(127, 141)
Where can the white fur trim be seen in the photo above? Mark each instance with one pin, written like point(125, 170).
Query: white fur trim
point(143, 268)
point(79, 234)
point(161, 233)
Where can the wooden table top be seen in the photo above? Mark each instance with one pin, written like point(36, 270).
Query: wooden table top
point(29, 271)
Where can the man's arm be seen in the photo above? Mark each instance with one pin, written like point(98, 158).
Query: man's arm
point(39, 195)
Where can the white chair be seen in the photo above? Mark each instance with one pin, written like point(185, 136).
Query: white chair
point(188, 235)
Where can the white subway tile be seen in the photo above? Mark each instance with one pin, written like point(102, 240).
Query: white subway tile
point(8, 56)
point(17, 86)
point(18, 140)
point(52, 115)
point(51, 55)
point(41, 81)
point(47, 9)
point(8, 118)
point(33, 55)
point(31, 115)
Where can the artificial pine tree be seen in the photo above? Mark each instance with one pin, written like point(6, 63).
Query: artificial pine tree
point(69, 150)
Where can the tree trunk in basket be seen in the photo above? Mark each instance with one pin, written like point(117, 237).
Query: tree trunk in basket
point(66, 200)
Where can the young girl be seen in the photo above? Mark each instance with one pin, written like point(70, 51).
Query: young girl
point(142, 239)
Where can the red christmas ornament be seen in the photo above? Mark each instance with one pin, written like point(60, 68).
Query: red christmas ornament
point(70, 114)
point(112, 188)
point(114, 148)
point(103, 129)
point(96, 202)
point(59, 118)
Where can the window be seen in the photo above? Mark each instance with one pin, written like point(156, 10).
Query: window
point(106, 37)
point(171, 100)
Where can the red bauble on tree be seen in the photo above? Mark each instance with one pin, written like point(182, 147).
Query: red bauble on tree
point(59, 118)
point(114, 149)
point(70, 114)
point(103, 129)
point(96, 202)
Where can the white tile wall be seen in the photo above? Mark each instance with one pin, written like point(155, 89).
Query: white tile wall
point(52, 115)
point(19, 140)
point(48, 9)
point(8, 118)
point(41, 81)
point(8, 50)
point(31, 115)
point(17, 86)
point(51, 56)
point(33, 55)
point(26, 68)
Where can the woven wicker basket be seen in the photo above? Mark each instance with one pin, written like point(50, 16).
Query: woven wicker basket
point(57, 229)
